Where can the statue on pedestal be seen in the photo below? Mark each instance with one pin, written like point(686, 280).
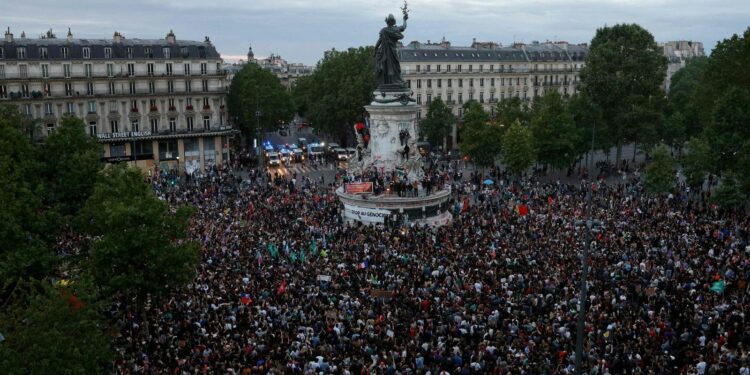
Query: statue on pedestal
point(387, 65)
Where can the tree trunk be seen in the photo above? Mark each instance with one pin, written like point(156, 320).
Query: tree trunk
point(619, 154)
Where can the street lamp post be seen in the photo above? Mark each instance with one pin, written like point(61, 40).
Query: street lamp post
point(178, 166)
point(584, 268)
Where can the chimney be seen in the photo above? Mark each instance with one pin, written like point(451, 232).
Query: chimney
point(70, 36)
point(8, 36)
point(117, 37)
point(23, 35)
point(170, 37)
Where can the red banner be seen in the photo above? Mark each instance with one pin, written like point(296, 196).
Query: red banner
point(358, 188)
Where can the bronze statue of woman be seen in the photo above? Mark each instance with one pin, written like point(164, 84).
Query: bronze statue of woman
point(387, 66)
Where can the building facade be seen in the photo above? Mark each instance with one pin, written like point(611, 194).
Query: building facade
point(150, 102)
point(678, 53)
point(488, 72)
point(286, 72)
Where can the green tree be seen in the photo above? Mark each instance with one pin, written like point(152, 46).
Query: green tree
point(481, 138)
point(728, 194)
point(334, 96)
point(698, 161)
point(684, 111)
point(511, 110)
point(52, 330)
point(72, 163)
point(438, 123)
point(660, 174)
point(555, 133)
point(23, 223)
point(139, 245)
point(254, 90)
point(518, 148)
point(622, 77)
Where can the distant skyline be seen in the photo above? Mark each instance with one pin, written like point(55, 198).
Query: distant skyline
point(300, 30)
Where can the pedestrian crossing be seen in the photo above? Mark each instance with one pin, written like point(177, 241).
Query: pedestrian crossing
point(299, 168)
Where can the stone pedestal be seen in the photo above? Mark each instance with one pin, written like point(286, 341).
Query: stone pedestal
point(392, 148)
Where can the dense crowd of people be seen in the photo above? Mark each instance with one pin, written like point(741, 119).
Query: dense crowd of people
point(285, 286)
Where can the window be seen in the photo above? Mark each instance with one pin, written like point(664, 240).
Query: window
point(188, 86)
point(471, 96)
point(65, 52)
point(205, 85)
point(439, 83)
point(448, 68)
point(27, 109)
point(150, 68)
point(89, 88)
point(460, 98)
point(170, 102)
point(47, 89)
point(419, 83)
point(418, 68)
point(70, 107)
point(48, 109)
point(154, 122)
point(189, 101)
point(132, 87)
point(167, 52)
point(428, 67)
point(170, 87)
point(492, 81)
point(481, 97)
point(112, 90)
point(471, 82)
point(450, 82)
point(205, 103)
point(66, 70)
point(460, 82)
point(492, 67)
point(2, 71)
point(43, 53)
point(147, 52)
point(2, 53)
point(438, 67)
point(481, 82)
point(23, 70)
point(68, 89)
point(449, 98)
point(169, 69)
point(187, 69)
point(50, 128)
point(45, 71)
point(114, 126)
point(86, 51)
point(134, 126)
point(131, 69)
point(87, 70)
point(107, 52)
point(117, 150)
point(429, 83)
point(459, 67)
point(173, 124)
point(151, 87)
point(110, 70)
point(419, 98)
point(25, 90)
point(492, 97)
point(3, 91)
point(92, 128)
point(206, 122)
point(184, 52)
point(429, 98)
point(481, 67)
point(92, 106)
point(152, 104)
point(112, 106)
point(204, 68)
point(129, 52)
point(21, 52)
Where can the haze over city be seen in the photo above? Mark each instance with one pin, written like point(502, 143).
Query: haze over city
point(301, 30)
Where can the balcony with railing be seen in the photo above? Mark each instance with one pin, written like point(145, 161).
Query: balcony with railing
point(99, 75)
point(54, 95)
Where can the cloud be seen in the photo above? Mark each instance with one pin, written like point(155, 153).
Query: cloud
point(300, 30)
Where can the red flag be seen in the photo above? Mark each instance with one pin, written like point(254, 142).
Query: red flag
point(523, 209)
point(465, 208)
point(550, 200)
point(282, 288)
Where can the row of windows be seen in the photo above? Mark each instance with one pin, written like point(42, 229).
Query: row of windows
point(492, 98)
point(90, 89)
point(500, 68)
point(114, 106)
point(460, 82)
point(23, 70)
point(114, 125)
point(108, 52)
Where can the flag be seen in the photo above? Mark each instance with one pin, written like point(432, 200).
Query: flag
point(272, 249)
point(314, 248)
point(293, 256)
point(523, 209)
point(550, 200)
point(282, 288)
point(718, 286)
point(245, 298)
point(465, 207)
point(302, 255)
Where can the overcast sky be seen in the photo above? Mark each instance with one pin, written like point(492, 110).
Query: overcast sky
point(300, 30)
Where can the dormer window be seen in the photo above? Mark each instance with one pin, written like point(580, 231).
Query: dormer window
point(167, 53)
point(147, 52)
point(43, 53)
point(129, 52)
point(184, 52)
point(86, 52)
point(21, 52)
point(107, 52)
point(2, 53)
point(65, 52)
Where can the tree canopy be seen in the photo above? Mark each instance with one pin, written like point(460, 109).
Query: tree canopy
point(518, 147)
point(622, 77)
point(254, 90)
point(334, 96)
point(660, 174)
point(555, 132)
point(480, 138)
point(149, 252)
point(438, 122)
